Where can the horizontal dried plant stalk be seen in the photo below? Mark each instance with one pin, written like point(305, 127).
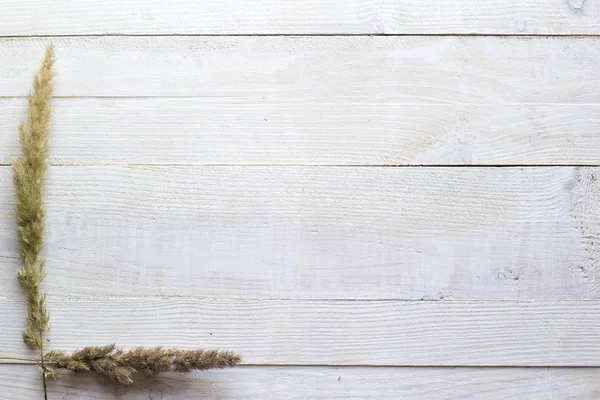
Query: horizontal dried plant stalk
point(119, 365)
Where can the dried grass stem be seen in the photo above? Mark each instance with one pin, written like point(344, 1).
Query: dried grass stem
point(119, 365)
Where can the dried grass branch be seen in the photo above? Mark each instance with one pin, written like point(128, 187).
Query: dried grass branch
point(119, 365)
point(29, 177)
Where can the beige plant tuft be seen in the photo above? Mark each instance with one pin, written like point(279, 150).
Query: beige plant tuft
point(119, 365)
point(29, 176)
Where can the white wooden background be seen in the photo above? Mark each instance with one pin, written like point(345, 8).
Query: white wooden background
point(368, 199)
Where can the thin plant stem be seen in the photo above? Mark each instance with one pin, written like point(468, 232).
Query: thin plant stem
point(29, 177)
point(43, 366)
point(35, 360)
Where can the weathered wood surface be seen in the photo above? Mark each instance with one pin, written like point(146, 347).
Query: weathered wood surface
point(300, 383)
point(325, 131)
point(329, 332)
point(317, 232)
point(151, 17)
point(422, 69)
point(254, 214)
point(314, 100)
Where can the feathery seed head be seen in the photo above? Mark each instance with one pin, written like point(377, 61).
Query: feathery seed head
point(119, 365)
point(29, 175)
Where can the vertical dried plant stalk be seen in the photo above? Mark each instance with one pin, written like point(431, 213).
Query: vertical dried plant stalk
point(29, 177)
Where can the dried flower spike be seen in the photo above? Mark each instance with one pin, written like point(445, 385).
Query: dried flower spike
point(119, 365)
point(29, 176)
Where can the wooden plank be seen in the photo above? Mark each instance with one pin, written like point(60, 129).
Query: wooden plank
point(62, 17)
point(327, 131)
point(328, 332)
point(288, 383)
point(423, 70)
point(317, 232)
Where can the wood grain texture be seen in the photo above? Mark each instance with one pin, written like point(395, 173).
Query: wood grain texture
point(62, 17)
point(314, 100)
point(308, 270)
point(317, 232)
point(325, 131)
point(423, 70)
point(328, 332)
point(300, 383)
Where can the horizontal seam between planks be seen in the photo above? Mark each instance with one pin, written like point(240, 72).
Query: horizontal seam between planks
point(385, 366)
point(353, 366)
point(313, 300)
point(349, 366)
point(141, 165)
point(575, 35)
